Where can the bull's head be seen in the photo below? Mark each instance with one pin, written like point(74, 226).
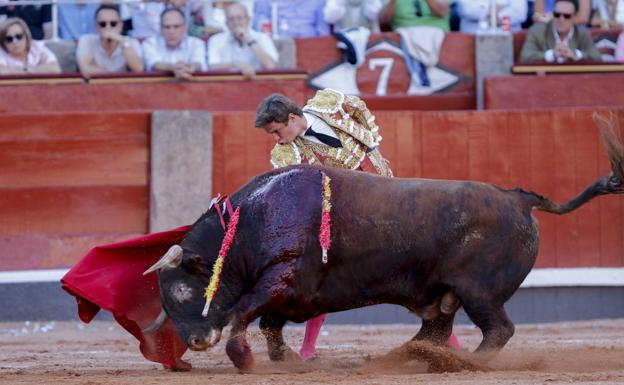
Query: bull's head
point(182, 278)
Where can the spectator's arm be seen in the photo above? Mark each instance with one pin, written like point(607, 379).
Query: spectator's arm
point(198, 55)
point(439, 8)
point(151, 56)
point(46, 21)
point(84, 59)
point(387, 12)
point(372, 9)
point(334, 11)
point(587, 47)
point(322, 28)
point(48, 68)
point(49, 63)
point(132, 53)
point(582, 17)
point(47, 31)
point(619, 49)
point(161, 66)
point(516, 10)
point(532, 50)
point(265, 52)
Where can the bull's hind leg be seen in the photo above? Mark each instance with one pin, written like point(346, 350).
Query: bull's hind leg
point(436, 331)
point(437, 324)
point(492, 319)
point(271, 326)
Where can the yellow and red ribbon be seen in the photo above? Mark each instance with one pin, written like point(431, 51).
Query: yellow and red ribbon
point(325, 230)
point(217, 268)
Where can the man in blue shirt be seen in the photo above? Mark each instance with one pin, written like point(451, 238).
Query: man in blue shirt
point(76, 19)
point(295, 18)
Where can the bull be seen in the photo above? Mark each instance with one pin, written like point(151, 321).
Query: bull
point(430, 246)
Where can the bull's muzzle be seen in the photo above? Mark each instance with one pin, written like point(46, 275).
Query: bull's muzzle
point(196, 343)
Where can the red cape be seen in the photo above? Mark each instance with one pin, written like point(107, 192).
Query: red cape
point(110, 277)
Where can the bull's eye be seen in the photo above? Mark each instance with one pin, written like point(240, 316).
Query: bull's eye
point(182, 292)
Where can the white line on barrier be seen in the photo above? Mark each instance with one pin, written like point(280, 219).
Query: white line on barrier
point(28, 276)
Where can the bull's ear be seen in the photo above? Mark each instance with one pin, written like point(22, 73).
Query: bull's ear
point(196, 264)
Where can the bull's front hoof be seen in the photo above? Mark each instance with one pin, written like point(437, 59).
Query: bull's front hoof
point(179, 366)
point(239, 352)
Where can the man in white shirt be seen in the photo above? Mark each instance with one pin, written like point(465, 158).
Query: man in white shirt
point(108, 50)
point(240, 47)
point(174, 51)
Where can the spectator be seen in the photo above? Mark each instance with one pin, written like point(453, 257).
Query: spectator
point(209, 19)
point(20, 54)
point(108, 51)
point(146, 17)
point(76, 19)
point(345, 14)
point(619, 49)
point(607, 14)
point(38, 18)
point(174, 51)
point(240, 47)
point(295, 18)
point(544, 9)
point(474, 12)
point(560, 40)
point(411, 13)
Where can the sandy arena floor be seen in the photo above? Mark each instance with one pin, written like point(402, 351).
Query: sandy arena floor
point(102, 353)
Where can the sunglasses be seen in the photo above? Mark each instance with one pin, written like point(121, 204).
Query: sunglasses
point(557, 15)
point(17, 37)
point(103, 24)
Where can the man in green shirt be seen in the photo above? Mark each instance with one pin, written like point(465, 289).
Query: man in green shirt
point(410, 13)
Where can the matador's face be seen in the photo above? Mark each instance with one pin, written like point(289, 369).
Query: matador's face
point(285, 133)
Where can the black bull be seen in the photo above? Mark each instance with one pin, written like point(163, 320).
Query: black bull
point(428, 245)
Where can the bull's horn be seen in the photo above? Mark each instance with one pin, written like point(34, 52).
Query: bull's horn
point(171, 259)
point(158, 322)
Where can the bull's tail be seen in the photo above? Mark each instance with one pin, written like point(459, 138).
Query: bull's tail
point(612, 134)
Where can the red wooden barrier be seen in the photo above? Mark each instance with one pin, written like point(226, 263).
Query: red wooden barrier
point(215, 93)
point(534, 91)
point(69, 182)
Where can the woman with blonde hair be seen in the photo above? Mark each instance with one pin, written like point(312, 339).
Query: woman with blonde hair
point(19, 54)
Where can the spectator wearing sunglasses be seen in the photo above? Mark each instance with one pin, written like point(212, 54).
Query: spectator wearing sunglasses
point(560, 40)
point(19, 54)
point(543, 10)
point(108, 50)
point(174, 50)
point(38, 17)
point(412, 13)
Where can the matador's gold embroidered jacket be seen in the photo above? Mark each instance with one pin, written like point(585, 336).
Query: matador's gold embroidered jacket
point(354, 125)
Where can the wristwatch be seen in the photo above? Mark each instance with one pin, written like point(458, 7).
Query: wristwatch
point(252, 42)
point(126, 43)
